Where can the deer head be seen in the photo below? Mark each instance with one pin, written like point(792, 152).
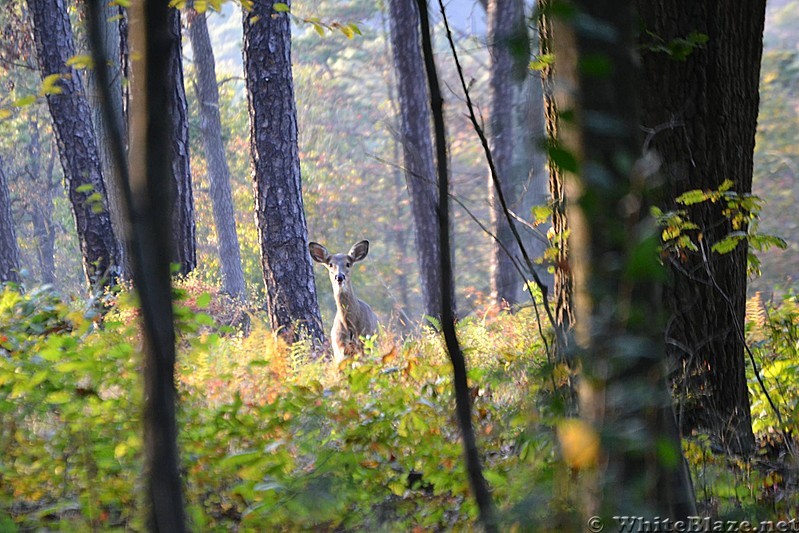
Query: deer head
point(339, 265)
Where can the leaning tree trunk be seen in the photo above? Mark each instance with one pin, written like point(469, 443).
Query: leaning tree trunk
point(636, 466)
point(283, 235)
point(218, 172)
point(183, 232)
point(9, 251)
point(77, 144)
point(420, 174)
point(701, 112)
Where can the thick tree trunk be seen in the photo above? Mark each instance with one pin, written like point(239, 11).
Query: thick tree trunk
point(701, 112)
point(420, 175)
point(112, 40)
point(509, 50)
point(76, 141)
point(218, 171)
point(624, 396)
point(9, 251)
point(288, 272)
point(183, 232)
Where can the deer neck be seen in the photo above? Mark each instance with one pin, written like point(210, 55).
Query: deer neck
point(345, 299)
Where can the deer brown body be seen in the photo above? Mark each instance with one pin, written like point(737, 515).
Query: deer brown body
point(354, 318)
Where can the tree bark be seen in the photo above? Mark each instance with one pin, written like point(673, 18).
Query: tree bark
point(9, 251)
point(288, 272)
point(76, 141)
point(624, 394)
point(701, 112)
point(183, 231)
point(509, 50)
point(41, 207)
point(218, 171)
point(420, 175)
point(562, 278)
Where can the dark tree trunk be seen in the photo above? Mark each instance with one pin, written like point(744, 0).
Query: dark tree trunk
point(288, 273)
point(76, 141)
point(218, 171)
point(149, 205)
point(183, 233)
point(624, 394)
point(9, 251)
point(702, 114)
point(562, 279)
point(509, 50)
point(420, 175)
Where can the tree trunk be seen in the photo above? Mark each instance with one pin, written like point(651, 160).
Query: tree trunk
point(509, 50)
point(183, 233)
point(9, 251)
point(562, 277)
point(637, 468)
point(218, 171)
point(701, 112)
point(41, 207)
point(288, 272)
point(112, 40)
point(420, 175)
point(76, 141)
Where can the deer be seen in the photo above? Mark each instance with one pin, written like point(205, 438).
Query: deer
point(354, 318)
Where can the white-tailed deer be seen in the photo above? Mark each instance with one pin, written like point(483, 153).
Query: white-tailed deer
point(354, 318)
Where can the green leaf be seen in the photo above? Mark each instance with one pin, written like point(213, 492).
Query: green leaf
point(203, 300)
point(542, 61)
point(280, 7)
point(58, 397)
point(86, 187)
point(80, 61)
point(25, 101)
point(728, 243)
point(563, 159)
point(692, 197)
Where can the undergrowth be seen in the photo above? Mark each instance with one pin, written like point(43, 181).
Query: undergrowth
point(273, 440)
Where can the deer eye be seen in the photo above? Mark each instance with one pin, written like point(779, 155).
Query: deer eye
point(348, 265)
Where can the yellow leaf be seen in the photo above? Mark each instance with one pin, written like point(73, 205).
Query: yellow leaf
point(80, 61)
point(5, 113)
point(120, 450)
point(24, 101)
point(579, 443)
point(49, 84)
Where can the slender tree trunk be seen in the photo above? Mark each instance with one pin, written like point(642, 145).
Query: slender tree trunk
point(420, 175)
point(149, 204)
point(624, 396)
point(288, 272)
point(218, 171)
point(76, 141)
point(701, 112)
point(9, 251)
point(41, 207)
point(562, 278)
point(183, 231)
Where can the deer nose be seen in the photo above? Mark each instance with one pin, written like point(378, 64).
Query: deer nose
point(340, 278)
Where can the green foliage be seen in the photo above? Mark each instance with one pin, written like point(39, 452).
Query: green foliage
point(680, 48)
point(680, 235)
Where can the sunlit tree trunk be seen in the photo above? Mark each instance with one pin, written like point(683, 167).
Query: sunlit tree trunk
point(218, 171)
point(288, 272)
point(420, 175)
point(700, 113)
point(562, 277)
point(183, 232)
point(9, 251)
point(631, 450)
point(76, 140)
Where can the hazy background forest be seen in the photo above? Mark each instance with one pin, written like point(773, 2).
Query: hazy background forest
point(273, 437)
point(351, 165)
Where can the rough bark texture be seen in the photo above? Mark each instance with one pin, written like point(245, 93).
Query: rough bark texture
point(9, 252)
point(218, 171)
point(420, 175)
point(40, 208)
point(509, 50)
point(624, 393)
point(702, 113)
point(77, 143)
point(562, 279)
point(183, 233)
point(111, 39)
point(288, 272)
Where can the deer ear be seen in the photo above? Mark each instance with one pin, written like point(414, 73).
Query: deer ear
point(359, 251)
point(318, 252)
